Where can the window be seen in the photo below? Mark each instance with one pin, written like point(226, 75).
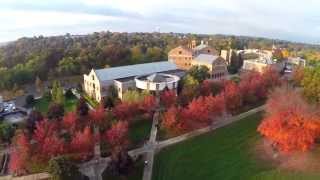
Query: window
point(92, 77)
point(174, 85)
point(157, 86)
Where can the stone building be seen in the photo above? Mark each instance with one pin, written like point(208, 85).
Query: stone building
point(217, 65)
point(182, 56)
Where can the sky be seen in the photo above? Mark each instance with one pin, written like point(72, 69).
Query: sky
point(294, 20)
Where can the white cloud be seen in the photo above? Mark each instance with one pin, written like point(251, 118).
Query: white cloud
point(34, 19)
point(287, 19)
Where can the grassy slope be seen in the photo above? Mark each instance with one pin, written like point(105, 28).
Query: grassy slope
point(140, 131)
point(42, 104)
point(225, 154)
point(136, 173)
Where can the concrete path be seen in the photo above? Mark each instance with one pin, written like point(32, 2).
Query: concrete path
point(147, 173)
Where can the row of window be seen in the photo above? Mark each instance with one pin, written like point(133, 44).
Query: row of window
point(218, 75)
point(89, 84)
point(181, 58)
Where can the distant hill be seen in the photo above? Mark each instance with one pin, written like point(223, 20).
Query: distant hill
point(23, 60)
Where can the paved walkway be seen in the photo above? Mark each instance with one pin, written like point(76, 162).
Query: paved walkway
point(147, 173)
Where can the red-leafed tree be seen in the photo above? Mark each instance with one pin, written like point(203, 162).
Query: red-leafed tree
point(197, 113)
point(232, 96)
point(210, 87)
point(168, 98)
point(20, 155)
point(252, 88)
point(125, 110)
point(291, 123)
point(48, 144)
point(83, 144)
point(98, 115)
point(117, 136)
point(271, 78)
point(69, 121)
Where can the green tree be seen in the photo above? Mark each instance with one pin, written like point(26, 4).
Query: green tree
point(134, 96)
point(311, 83)
point(154, 54)
point(136, 55)
point(68, 66)
point(6, 132)
point(189, 81)
point(61, 168)
point(199, 73)
point(57, 93)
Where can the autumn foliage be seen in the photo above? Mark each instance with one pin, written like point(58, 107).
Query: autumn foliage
point(117, 136)
point(20, 155)
point(291, 123)
point(83, 144)
point(168, 98)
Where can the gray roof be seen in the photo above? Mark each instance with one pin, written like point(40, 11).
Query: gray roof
point(157, 78)
point(206, 58)
point(200, 47)
point(134, 70)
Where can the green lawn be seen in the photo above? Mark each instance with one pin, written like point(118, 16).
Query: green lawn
point(225, 154)
point(42, 104)
point(140, 131)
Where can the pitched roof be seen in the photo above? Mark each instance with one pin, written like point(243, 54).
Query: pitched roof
point(157, 78)
point(134, 70)
point(206, 58)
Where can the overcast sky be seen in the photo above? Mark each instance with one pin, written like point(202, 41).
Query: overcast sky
point(295, 20)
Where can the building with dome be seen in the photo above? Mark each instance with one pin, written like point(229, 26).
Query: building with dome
point(153, 76)
point(157, 82)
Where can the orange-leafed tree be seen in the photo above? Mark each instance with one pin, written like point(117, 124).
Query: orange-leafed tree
point(215, 105)
point(232, 96)
point(197, 113)
point(291, 123)
point(173, 121)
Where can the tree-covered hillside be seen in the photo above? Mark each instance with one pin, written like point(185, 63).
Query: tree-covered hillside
point(24, 60)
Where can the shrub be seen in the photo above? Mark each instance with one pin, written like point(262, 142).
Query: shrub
point(69, 93)
point(61, 168)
